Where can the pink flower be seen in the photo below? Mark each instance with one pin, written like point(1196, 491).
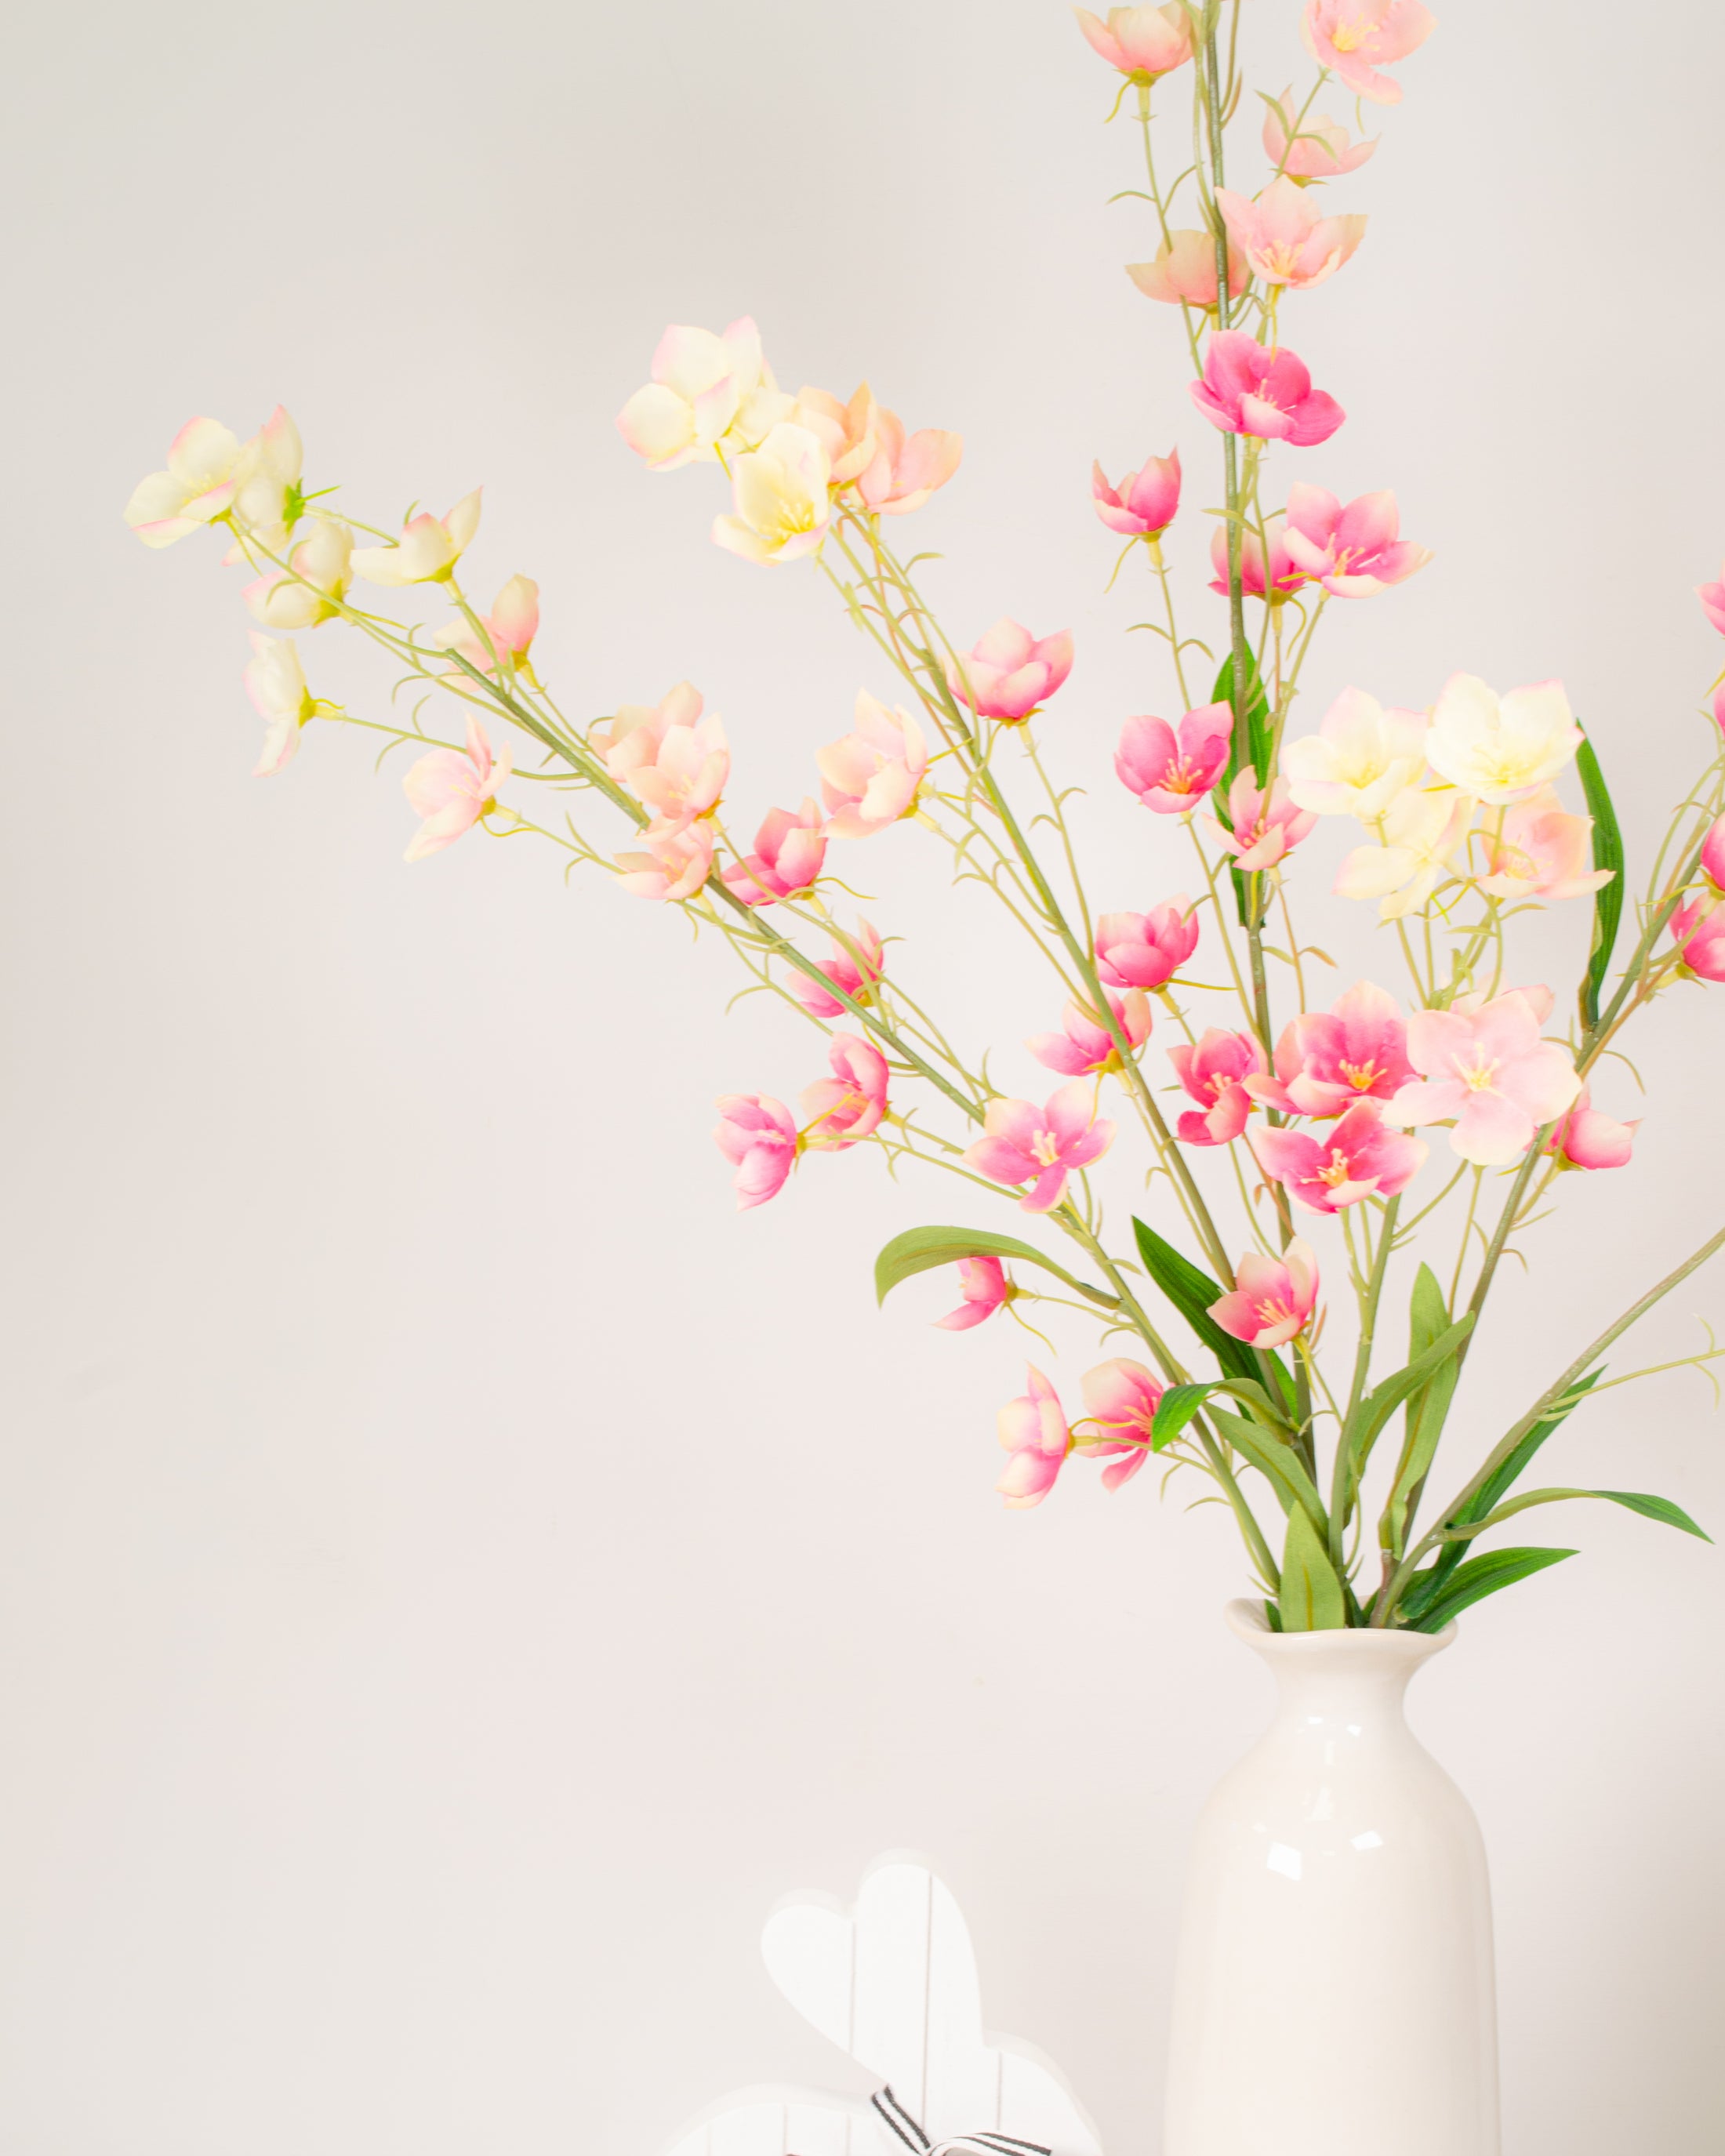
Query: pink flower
point(1121, 1398)
point(986, 1289)
point(1327, 1060)
point(857, 967)
point(1284, 238)
point(1700, 931)
point(846, 432)
point(870, 778)
point(677, 861)
point(1322, 150)
point(902, 473)
point(1145, 502)
point(1351, 552)
point(1143, 950)
point(1541, 852)
point(1086, 1047)
point(1213, 1072)
point(1267, 822)
point(849, 1104)
point(1284, 577)
point(1010, 673)
point(755, 1134)
point(1033, 1429)
point(1042, 1146)
point(668, 755)
point(1141, 42)
point(1587, 1139)
point(1713, 855)
point(508, 630)
point(1272, 1298)
point(1184, 271)
point(789, 850)
point(1485, 1065)
point(1357, 1157)
point(1712, 600)
point(1171, 773)
point(1355, 37)
point(452, 788)
point(1248, 390)
point(1719, 707)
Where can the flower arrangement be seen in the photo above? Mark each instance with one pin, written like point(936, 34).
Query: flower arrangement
point(1356, 1153)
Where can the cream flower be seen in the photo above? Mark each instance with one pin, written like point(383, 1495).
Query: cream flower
point(1361, 757)
point(268, 502)
point(780, 497)
point(196, 488)
point(275, 682)
point(1502, 748)
point(311, 589)
point(706, 391)
point(1418, 834)
point(428, 550)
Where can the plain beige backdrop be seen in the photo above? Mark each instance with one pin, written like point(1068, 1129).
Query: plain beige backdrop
point(454, 1573)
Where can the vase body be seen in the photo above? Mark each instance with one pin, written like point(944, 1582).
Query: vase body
point(1334, 1992)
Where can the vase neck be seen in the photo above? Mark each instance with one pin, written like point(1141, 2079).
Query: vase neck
point(1344, 1684)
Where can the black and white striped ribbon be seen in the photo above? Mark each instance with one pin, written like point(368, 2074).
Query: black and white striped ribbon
point(910, 2131)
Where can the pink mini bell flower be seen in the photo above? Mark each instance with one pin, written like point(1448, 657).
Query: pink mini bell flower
point(1214, 1070)
point(1283, 576)
point(1086, 1047)
point(1121, 1398)
point(1171, 771)
point(1539, 852)
point(452, 788)
point(1352, 550)
point(1145, 502)
point(1585, 1138)
point(905, 471)
point(1486, 1067)
point(1272, 1299)
point(1712, 601)
point(1325, 1061)
point(1184, 271)
point(1042, 1146)
point(1033, 1429)
point(1284, 238)
point(846, 432)
point(1268, 823)
point(985, 1288)
point(789, 851)
point(1248, 390)
point(850, 1104)
point(428, 550)
point(1354, 39)
point(857, 967)
point(1357, 1157)
point(1712, 856)
point(1145, 950)
point(676, 862)
point(870, 777)
point(756, 1135)
point(1143, 42)
point(1700, 933)
point(1009, 673)
point(1323, 148)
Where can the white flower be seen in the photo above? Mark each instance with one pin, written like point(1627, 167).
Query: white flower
point(267, 500)
point(780, 495)
point(428, 550)
point(1361, 757)
point(197, 487)
point(311, 589)
point(1502, 748)
point(1419, 833)
point(275, 682)
point(707, 391)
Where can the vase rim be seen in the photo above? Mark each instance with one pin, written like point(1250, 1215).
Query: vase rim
point(1246, 1620)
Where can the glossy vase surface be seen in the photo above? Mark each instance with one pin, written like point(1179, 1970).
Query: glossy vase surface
point(1334, 1994)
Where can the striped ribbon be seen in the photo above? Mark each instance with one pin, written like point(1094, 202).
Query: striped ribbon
point(910, 2131)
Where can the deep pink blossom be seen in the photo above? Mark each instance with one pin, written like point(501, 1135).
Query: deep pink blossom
point(1248, 390)
point(1084, 1046)
point(1145, 502)
point(1033, 1429)
point(1713, 855)
point(1143, 42)
point(1320, 150)
point(1357, 1157)
point(756, 1135)
point(1700, 931)
point(1009, 672)
point(789, 850)
point(1283, 236)
point(1354, 39)
point(1042, 1146)
point(858, 966)
point(1121, 1398)
point(1484, 1064)
point(1712, 600)
point(1350, 550)
point(1284, 576)
point(850, 1104)
point(1212, 1071)
point(1267, 821)
point(1143, 950)
point(1171, 771)
point(1184, 271)
point(985, 1288)
point(905, 471)
point(1585, 1138)
point(1272, 1298)
point(1325, 1061)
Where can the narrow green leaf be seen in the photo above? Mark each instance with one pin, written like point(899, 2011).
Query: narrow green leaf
point(1427, 1410)
point(1257, 724)
point(1650, 1508)
point(1485, 1575)
point(1174, 1410)
point(1381, 1403)
point(1192, 1292)
point(1654, 1508)
point(1311, 1598)
point(920, 1249)
point(1608, 899)
point(1278, 1462)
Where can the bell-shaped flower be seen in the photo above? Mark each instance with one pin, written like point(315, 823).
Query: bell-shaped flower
point(1145, 950)
point(1284, 238)
point(1314, 148)
point(1361, 758)
point(672, 863)
point(275, 682)
point(1486, 1068)
point(1042, 1146)
point(1502, 748)
point(1146, 501)
point(1033, 1430)
point(428, 550)
point(1537, 851)
point(706, 391)
point(1326, 1061)
point(780, 499)
point(1272, 1298)
point(1712, 856)
point(1267, 823)
point(197, 487)
point(1084, 1046)
point(1275, 580)
point(1247, 389)
point(790, 849)
point(1009, 674)
point(906, 469)
point(1355, 38)
point(312, 587)
point(857, 967)
point(1171, 772)
point(1357, 1157)
point(846, 432)
point(1351, 549)
point(872, 777)
point(1585, 1138)
point(452, 788)
point(756, 1135)
point(1711, 596)
point(1421, 833)
point(1184, 271)
point(1143, 42)
point(983, 1284)
point(850, 1104)
point(1121, 1398)
point(668, 755)
point(1699, 933)
point(267, 500)
point(505, 636)
point(1214, 1070)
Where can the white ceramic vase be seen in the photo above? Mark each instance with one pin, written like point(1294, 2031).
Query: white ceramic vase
point(1334, 1992)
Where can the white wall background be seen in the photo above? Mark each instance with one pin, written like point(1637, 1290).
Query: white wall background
point(454, 1573)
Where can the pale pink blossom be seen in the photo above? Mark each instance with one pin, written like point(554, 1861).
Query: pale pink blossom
point(985, 1288)
point(312, 588)
point(905, 471)
point(668, 755)
point(1282, 577)
point(1420, 831)
point(790, 849)
point(428, 550)
point(1267, 823)
point(1248, 390)
point(1184, 271)
point(1355, 39)
point(850, 1104)
point(1361, 758)
point(1144, 950)
point(1042, 1146)
point(1326, 1061)
point(196, 488)
point(1502, 748)
point(1487, 1069)
point(1585, 1138)
point(1213, 1072)
point(1121, 1398)
point(1320, 150)
point(1711, 597)
point(757, 1136)
point(1356, 1157)
point(275, 682)
point(846, 432)
point(857, 967)
point(779, 497)
point(1350, 550)
point(1700, 933)
point(674, 862)
point(870, 777)
point(1143, 42)
point(1033, 1430)
point(452, 788)
point(1084, 1046)
point(1284, 238)
point(1010, 673)
point(1272, 1298)
point(1169, 771)
point(267, 499)
point(1713, 855)
point(1537, 850)
point(506, 633)
point(706, 391)
point(1145, 502)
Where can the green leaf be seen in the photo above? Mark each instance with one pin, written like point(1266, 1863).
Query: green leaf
point(1191, 1292)
point(1608, 899)
point(1427, 1410)
point(1278, 1463)
point(1257, 726)
point(1654, 1508)
point(1481, 1576)
point(1311, 1599)
point(1174, 1410)
point(920, 1249)
point(1650, 1508)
